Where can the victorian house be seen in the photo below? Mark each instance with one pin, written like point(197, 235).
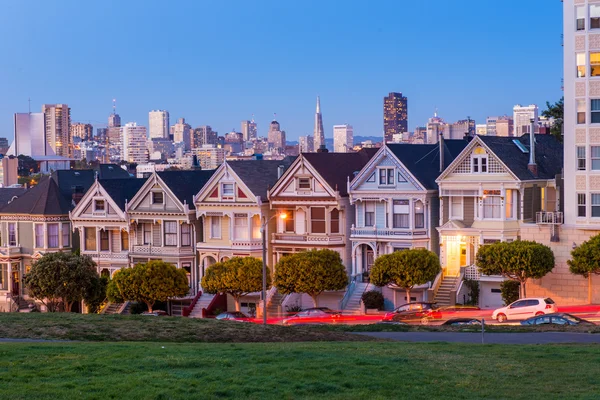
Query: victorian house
point(233, 206)
point(163, 223)
point(396, 204)
point(313, 194)
point(493, 187)
point(102, 223)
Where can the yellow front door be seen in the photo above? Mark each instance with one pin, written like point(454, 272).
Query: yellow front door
point(453, 256)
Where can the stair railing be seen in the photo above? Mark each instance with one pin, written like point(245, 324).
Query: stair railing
point(432, 291)
point(187, 310)
point(349, 290)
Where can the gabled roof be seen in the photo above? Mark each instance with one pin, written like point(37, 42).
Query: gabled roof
point(423, 160)
point(112, 171)
point(44, 198)
point(260, 175)
point(548, 155)
point(121, 190)
point(185, 184)
point(7, 194)
point(337, 168)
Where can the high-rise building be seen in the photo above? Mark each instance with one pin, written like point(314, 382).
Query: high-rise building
point(420, 135)
point(504, 126)
point(204, 135)
point(9, 167)
point(306, 144)
point(490, 126)
point(182, 133)
point(134, 143)
point(210, 156)
point(249, 130)
point(114, 120)
point(276, 137)
point(82, 131)
point(57, 119)
point(459, 129)
point(395, 115)
point(319, 133)
point(343, 138)
point(481, 129)
point(435, 127)
point(522, 115)
point(234, 142)
point(158, 124)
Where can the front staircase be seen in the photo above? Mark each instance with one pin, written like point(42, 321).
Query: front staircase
point(203, 302)
point(274, 306)
point(117, 308)
point(443, 295)
point(354, 304)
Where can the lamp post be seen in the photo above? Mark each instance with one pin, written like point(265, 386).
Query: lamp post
point(264, 264)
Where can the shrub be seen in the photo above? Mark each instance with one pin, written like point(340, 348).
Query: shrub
point(373, 299)
point(473, 294)
point(510, 291)
point(293, 308)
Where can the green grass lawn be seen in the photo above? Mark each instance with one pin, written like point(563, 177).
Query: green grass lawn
point(340, 370)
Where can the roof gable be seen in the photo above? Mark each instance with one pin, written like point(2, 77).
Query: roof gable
point(212, 191)
point(185, 184)
point(289, 186)
point(86, 209)
point(44, 198)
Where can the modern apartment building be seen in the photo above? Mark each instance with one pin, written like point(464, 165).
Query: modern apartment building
point(249, 130)
point(522, 116)
point(182, 133)
point(395, 115)
point(158, 124)
point(81, 130)
point(210, 156)
point(343, 138)
point(204, 135)
point(57, 118)
point(134, 143)
point(306, 144)
point(504, 126)
point(276, 137)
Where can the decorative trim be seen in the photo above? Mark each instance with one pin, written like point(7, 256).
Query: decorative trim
point(579, 89)
point(580, 43)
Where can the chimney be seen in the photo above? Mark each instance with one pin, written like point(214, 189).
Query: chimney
point(532, 166)
point(441, 143)
point(322, 149)
point(279, 171)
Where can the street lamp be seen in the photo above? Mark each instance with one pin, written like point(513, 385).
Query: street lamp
point(264, 262)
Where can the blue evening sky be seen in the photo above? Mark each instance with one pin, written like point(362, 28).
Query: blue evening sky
point(218, 62)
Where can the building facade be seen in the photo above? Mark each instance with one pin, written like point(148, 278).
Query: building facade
point(57, 120)
point(134, 143)
point(182, 133)
point(343, 138)
point(158, 124)
point(522, 116)
point(395, 115)
point(276, 137)
point(318, 132)
point(210, 156)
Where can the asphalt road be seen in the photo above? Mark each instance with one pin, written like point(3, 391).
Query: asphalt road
point(489, 338)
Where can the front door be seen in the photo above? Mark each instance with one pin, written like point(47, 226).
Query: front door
point(453, 253)
point(15, 283)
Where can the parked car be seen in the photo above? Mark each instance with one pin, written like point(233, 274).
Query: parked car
point(156, 313)
point(421, 312)
point(316, 315)
point(233, 316)
point(525, 308)
point(462, 321)
point(556, 319)
point(458, 311)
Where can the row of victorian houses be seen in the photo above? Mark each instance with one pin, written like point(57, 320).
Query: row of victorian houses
point(450, 198)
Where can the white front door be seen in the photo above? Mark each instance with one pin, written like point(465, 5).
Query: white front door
point(453, 258)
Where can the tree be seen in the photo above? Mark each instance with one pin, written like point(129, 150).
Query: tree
point(96, 294)
point(556, 111)
point(406, 269)
point(586, 261)
point(311, 272)
point(520, 261)
point(27, 166)
point(237, 276)
point(61, 277)
point(148, 282)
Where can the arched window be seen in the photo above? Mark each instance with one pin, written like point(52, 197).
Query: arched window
point(334, 221)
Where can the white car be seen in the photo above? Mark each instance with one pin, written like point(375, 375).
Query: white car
point(525, 308)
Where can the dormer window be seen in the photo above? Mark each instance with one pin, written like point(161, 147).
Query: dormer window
point(228, 190)
point(99, 205)
point(480, 161)
point(386, 176)
point(157, 198)
point(304, 183)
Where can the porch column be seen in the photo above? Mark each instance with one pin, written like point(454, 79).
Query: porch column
point(441, 211)
point(354, 266)
point(179, 234)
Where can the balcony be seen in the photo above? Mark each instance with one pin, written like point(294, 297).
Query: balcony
point(163, 251)
point(387, 233)
point(308, 238)
point(246, 244)
point(106, 255)
point(7, 251)
point(549, 218)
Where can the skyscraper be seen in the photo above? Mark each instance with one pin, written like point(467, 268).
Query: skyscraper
point(134, 143)
point(343, 138)
point(158, 124)
point(318, 134)
point(249, 130)
point(57, 119)
point(114, 120)
point(204, 135)
point(182, 133)
point(276, 137)
point(395, 115)
point(30, 139)
point(81, 130)
point(306, 144)
point(522, 116)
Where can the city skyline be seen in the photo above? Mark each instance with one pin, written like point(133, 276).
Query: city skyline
point(232, 93)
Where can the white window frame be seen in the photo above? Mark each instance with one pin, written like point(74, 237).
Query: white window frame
point(15, 233)
point(387, 179)
point(477, 162)
point(581, 158)
point(187, 234)
point(492, 208)
point(594, 103)
point(401, 207)
point(307, 180)
point(154, 193)
point(223, 193)
point(579, 16)
point(581, 202)
point(216, 227)
point(108, 239)
point(35, 236)
point(580, 110)
point(58, 234)
point(96, 202)
point(594, 158)
point(171, 234)
point(415, 213)
point(241, 229)
point(595, 197)
point(458, 216)
point(580, 63)
point(369, 210)
point(65, 233)
point(509, 204)
point(85, 238)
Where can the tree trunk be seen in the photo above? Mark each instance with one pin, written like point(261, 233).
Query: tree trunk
point(523, 289)
point(237, 303)
point(408, 295)
point(590, 288)
point(149, 305)
point(68, 305)
point(315, 298)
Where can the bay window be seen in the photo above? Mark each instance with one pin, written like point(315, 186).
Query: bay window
point(124, 241)
point(215, 227)
point(66, 234)
point(240, 226)
point(104, 240)
point(53, 236)
point(12, 234)
point(419, 215)
point(400, 213)
point(456, 207)
point(147, 233)
point(509, 203)
point(39, 236)
point(186, 235)
point(492, 207)
point(334, 221)
point(170, 233)
point(317, 220)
